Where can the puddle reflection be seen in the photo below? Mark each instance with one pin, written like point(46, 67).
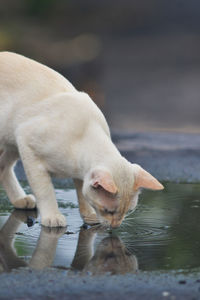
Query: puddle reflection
point(45, 249)
point(8, 257)
point(110, 255)
point(162, 234)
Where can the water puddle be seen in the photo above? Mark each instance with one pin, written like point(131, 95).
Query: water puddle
point(162, 234)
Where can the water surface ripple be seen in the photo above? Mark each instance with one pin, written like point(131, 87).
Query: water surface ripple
point(163, 233)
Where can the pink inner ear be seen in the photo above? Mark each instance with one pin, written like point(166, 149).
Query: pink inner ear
point(105, 180)
point(146, 180)
point(95, 184)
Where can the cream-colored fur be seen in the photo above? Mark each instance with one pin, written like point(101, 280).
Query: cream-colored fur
point(58, 130)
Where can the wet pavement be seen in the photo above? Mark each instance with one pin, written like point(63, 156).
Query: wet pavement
point(162, 234)
point(54, 284)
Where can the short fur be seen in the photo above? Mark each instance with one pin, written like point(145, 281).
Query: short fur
point(58, 130)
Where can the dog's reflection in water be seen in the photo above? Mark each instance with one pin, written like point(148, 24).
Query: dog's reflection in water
point(110, 256)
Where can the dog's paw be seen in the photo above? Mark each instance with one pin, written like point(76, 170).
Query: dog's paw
point(28, 202)
point(56, 220)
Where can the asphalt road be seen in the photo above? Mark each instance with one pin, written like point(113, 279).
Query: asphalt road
point(55, 284)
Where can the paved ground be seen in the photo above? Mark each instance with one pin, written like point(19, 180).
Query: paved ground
point(169, 156)
point(53, 284)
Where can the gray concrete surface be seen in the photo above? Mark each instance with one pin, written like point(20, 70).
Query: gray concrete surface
point(169, 156)
point(55, 284)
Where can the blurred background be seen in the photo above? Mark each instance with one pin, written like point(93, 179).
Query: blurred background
point(138, 59)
